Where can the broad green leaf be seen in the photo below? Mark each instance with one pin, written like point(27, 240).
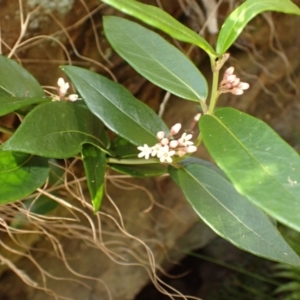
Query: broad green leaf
point(43, 204)
point(198, 161)
point(16, 81)
point(123, 149)
point(158, 18)
point(57, 130)
point(94, 161)
point(238, 19)
point(57, 173)
point(262, 166)
point(149, 170)
point(155, 58)
point(116, 107)
point(20, 175)
point(9, 104)
point(230, 215)
point(40, 206)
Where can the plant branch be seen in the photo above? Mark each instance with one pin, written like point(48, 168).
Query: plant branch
point(214, 88)
point(6, 130)
point(132, 161)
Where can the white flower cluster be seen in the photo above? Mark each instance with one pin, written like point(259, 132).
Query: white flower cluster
point(169, 146)
point(62, 91)
point(232, 84)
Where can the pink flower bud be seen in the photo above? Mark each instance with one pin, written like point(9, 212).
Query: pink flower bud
point(236, 82)
point(237, 91)
point(197, 117)
point(243, 85)
point(160, 135)
point(231, 78)
point(229, 71)
point(175, 129)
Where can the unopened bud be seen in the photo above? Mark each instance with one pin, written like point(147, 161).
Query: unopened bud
point(236, 82)
point(243, 85)
point(197, 117)
point(231, 78)
point(173, 144)
point(73, 97)
point(160, 135)
point(164, 141)
point(181, 152)
point(175, 129)
point(60, 82)
point(191, 149)
point(237, 91)
point(229, 71)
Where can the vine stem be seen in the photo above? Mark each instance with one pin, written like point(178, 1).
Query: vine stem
point(132, 161)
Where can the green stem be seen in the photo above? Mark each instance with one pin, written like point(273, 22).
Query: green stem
point(198, 140)
point(132, 161)
point(6, 130)
point(214, 88)
point(214, 94)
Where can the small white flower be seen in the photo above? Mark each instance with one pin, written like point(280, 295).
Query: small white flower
point(165, 154)
point(155, 149)
point(145, 151)
point(185, 139)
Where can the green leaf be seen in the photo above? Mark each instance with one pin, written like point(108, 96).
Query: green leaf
point(57, 173)
point(57, 130)
point(258, 162)
point(230, 215)
point(94, 161)
point(140, 170)
point(40, 206)
point(198, 161)
point(16, 81)
point(158, 18)
point(116, 107)
point(9, 104)
point(20, 175)
point(155, 58)
point(239, 18)
point(123, 149)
